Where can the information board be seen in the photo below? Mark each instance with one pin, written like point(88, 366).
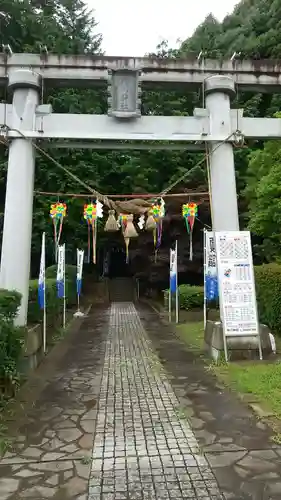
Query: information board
point(236, 283)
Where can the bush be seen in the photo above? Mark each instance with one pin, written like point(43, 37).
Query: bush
point(70, 292)
point(70, 281)
point(268, 290)
point(9, 303)
point(11, 339)
point(70, 272)
point(52, 303)
point(190, 297)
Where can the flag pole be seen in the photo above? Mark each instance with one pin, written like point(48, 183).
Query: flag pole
point(204, 270)
point(177, 288)
point(80, 260)
point(170, 293)
point(77, 281)
point(44, 298)
point(78, 303)
point(64, 298)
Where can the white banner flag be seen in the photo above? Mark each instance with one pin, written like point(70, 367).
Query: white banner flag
point(61, 271)
point(80, 260)
point(41, 281)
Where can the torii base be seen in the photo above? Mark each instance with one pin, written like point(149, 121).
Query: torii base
point(238, 348)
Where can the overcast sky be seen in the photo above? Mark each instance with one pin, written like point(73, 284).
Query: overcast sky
point(134, 27)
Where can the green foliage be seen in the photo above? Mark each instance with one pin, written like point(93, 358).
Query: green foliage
point(268, 289)
point(11, 339)
point(52, 302)
point(9, 303)
point(262, 193)
point(70, 281)
point(67, 26)
point(70, 272)
point(190, 297)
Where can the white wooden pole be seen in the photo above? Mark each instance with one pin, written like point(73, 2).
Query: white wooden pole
point(204, 270)
point(44, 310)
point(64, 296)
point(177, 288)
point(170, 295)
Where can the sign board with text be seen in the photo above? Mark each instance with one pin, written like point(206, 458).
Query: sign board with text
point(236, 283)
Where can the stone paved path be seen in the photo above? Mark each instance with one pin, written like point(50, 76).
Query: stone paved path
point(144, 447)
point(102, 419)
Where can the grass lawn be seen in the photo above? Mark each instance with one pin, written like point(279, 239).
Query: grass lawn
point(260, 379)
point(193, 334)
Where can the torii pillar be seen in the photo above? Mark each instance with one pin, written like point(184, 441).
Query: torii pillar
point(17, 231)
point(219, 89)
point(224, 205)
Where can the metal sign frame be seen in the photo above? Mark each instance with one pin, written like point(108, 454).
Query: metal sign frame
point(235, 263)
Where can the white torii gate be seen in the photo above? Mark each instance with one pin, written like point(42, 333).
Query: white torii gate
point(25, 120)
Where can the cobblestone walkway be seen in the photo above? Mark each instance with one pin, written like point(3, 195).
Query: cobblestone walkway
point(100, 420)
point(144, 448)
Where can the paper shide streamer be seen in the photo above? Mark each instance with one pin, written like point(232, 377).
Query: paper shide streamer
point(189, 213)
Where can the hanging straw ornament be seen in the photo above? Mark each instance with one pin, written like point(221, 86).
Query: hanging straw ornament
point(57, 213)
point(111, 223)
point(150, 224)
point(189, 213)
point(92, 212)
point(128, 230)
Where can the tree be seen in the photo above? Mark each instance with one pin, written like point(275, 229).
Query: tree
point(263, 193)
point(67, 26)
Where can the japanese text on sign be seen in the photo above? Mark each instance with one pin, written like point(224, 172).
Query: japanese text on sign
point(236, 283)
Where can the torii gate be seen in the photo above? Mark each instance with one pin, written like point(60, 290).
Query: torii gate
point(217, 125)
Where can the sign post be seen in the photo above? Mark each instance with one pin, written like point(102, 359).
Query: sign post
point(173, 282)
point(61, 279)
point(42, 291)
point(80, 260)
point(211, 292)
point(237, 293)
point(177, 287)
point(204, 270)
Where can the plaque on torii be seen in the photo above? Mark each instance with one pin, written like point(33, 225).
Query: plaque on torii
point(124, 93)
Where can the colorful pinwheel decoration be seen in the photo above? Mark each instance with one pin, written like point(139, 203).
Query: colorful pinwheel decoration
point(158, 213)
point(57, 214)
point(92, 212)
point(189, 213)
